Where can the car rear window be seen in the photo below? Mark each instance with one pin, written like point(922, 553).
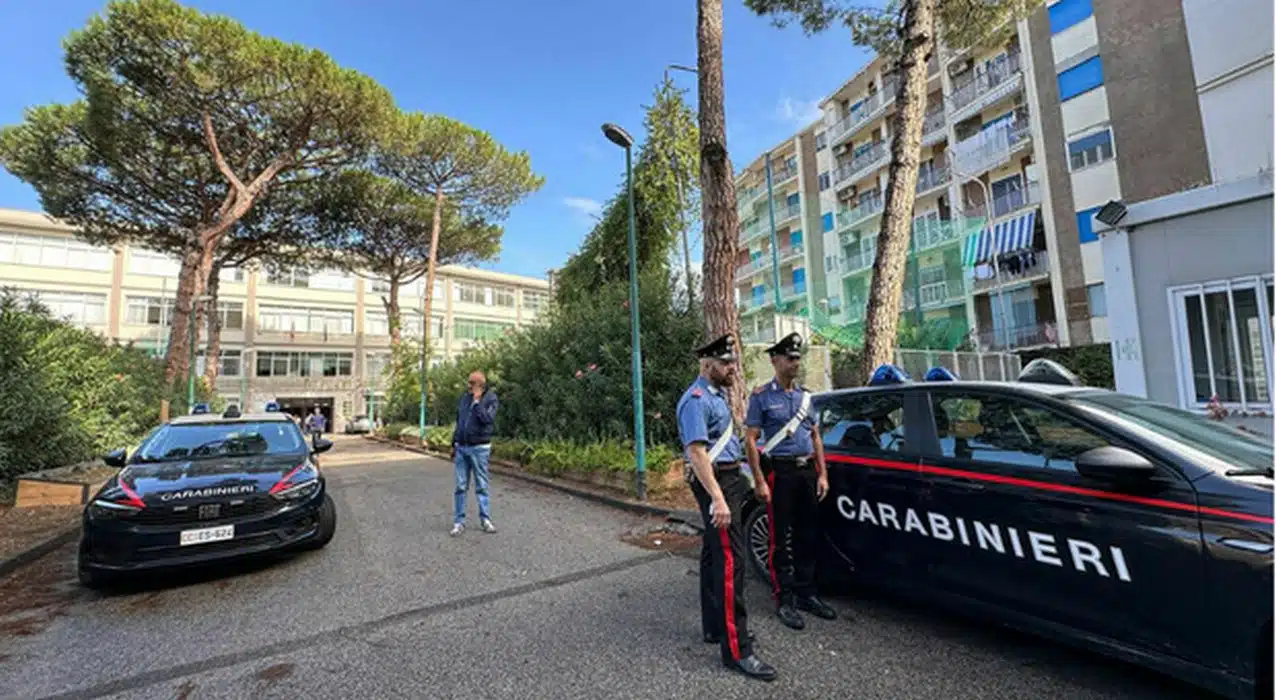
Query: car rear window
point(204, 440)
point(1235, 447)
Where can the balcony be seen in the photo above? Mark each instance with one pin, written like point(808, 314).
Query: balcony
point(870, 109)
point(992, 147)
point(862, 165)
point(867, 208)
point(936, 295)
point(858, 262)
point(932, 179)
point(791, 292)
point(785, 212)
point(1016, 267)
point(982, 90)
point(933, 130)
point(792, 252)
point(781, 174)
point(763, 262)
point(1018, 337)
point(1007, 203)
point(752, 230)
point(931, 233)
point(752, 305)
point(758, 337)
point(744, 196)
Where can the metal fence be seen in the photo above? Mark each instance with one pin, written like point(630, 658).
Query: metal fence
point(989, 366)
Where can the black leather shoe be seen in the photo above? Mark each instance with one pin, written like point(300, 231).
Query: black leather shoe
point(753, 667)
point(790, 617)
point(816, 607)
point(711, 638)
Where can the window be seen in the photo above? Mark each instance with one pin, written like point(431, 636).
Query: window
point(1090, 150)
point(1081, 78)
point(1066, 13)
point(376, 323)
point(1223, 341)
point(826, 222)
point(468, 293)
point(377, 365)
point(231, 274)
point(503, 296)
point(231, 314)
point(1006, 431)
point(825, 181)
point(81, 309)
point(480, 330)
point(1085, 225)
point(821, 140)
point(336, 280)
point(1008, 195)
point(1097, 295)
point(871, 424)
point(53, 251)
point(229, 363)
point(148, 311)
point(304, 364)
point(146, 262)
point(284, 319)
point(288, 278)
point(535, 302)
point(379, 286)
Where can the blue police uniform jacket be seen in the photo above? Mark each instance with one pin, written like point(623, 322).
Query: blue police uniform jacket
point(703, 415)
point(771, 408)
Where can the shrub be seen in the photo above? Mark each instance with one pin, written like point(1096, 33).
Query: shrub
point(1091, 363)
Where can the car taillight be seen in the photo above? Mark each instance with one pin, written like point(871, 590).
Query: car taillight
point(301, 482)
point(122, 504)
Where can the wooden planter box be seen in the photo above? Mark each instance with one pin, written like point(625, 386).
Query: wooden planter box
point(43, 492)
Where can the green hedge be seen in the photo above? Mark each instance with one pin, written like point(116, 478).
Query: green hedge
point(1092, 363)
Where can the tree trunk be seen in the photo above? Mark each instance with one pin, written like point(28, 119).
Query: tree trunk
point(717, 191)
point(428, 292)
point(212, 356)
point(392, 313)
point(178, 330)
point(886, 290)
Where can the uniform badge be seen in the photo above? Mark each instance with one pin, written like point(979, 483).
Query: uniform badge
point(697, 393)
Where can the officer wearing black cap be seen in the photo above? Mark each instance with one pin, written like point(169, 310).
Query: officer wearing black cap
point(713, 450)
point(792, 462)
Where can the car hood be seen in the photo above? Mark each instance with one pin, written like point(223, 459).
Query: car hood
point(219, 478)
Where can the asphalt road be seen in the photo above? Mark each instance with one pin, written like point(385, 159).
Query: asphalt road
point(555, 605)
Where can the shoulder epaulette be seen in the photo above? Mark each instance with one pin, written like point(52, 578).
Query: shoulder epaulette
point(697, 392)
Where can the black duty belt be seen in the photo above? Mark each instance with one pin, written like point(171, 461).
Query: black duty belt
point(725, 466)
point(788, 461)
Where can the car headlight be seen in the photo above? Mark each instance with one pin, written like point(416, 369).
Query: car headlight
point(301, 482)
point(117, 501)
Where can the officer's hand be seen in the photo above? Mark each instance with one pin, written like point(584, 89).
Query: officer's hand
point(720, 514)
point(821, 488)
point(763, 492)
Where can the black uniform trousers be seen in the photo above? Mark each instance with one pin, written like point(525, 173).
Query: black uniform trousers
point(722, 567)
point(793, 514)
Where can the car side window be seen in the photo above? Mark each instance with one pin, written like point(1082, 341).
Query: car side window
point(864, 424)
point(1003, 430)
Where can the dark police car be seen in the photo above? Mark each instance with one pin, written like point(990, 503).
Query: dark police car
point(203, 488)
point(1092, 517)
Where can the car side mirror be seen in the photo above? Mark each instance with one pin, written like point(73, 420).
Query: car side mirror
point(321, 445)
point(1114, 464)
point(116, 458)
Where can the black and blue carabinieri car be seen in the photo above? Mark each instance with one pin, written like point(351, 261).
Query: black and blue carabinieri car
point(1096, 518)
point(204, 488)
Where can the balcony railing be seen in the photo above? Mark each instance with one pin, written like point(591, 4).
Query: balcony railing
point(745, 195)
point(751, 230)
point(1020, 266)
point(753, 266)
point(935, 177)
point(942, 293)
point(781, 174)
point(981, 84)
point(933, 127)
point(867, 111)
point(1007, 203)
point(792, 251)
point(1019, 337)
point(991, 147)
point(790, 291)
point(862, 260)
point(861, 163)
point(785, 211)
point(929, 233)
point(868, 207)
point(751, 304)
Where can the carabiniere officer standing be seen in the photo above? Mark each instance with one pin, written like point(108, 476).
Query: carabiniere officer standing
point(796, 479)
point(713, 450)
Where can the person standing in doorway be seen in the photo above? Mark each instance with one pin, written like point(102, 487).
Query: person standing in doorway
point(316, 424)
point(471, 450)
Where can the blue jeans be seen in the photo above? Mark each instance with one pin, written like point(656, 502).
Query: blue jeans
point(471, 460)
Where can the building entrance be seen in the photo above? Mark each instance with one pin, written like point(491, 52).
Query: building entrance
point(304, 406)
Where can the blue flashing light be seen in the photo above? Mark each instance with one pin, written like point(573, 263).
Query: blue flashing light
point(272, 406)
point(199, 408)
point(888, 374)
point(940, 374)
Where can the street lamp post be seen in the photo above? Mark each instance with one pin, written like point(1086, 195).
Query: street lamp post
point(621, 138)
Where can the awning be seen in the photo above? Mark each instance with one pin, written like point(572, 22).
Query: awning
point(1004, 237)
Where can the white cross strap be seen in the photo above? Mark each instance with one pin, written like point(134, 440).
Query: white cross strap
point(720, 445)
point(792, 426)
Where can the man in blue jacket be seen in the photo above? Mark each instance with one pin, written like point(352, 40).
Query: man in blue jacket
point(471, 449)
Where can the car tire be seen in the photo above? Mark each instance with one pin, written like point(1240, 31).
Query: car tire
point(757, 541)
point(1263, 670)
point(327, 525)
point(90, 578)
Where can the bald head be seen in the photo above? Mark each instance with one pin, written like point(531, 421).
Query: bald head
point(477, 380)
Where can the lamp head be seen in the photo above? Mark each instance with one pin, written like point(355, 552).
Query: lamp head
point(617, 135)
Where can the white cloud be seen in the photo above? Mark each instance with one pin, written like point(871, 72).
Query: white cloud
point(587, 209)
point(798, 112)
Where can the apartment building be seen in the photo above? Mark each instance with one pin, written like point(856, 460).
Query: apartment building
point(1023, 142)
point(306, 339)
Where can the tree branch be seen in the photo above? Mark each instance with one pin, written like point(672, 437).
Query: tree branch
point(222, 166)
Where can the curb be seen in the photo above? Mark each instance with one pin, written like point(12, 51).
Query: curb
point(31, 554)
point(687, 517)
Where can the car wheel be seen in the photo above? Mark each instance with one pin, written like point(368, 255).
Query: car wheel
point(1263, 671)
point(757, 538)
point(89, 578)
point(327, 524)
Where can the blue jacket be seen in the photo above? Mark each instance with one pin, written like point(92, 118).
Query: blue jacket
point(475, 421)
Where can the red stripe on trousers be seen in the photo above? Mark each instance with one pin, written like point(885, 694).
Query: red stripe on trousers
point(728, 600)
point(770, 557)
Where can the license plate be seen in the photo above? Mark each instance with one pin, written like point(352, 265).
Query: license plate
point(208, 534)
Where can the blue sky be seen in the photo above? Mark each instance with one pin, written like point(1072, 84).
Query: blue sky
point(539, 76)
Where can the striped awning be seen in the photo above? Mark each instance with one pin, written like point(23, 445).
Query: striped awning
point(1004, 237)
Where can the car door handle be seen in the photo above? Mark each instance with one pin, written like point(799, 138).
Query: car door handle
point(1247, 545)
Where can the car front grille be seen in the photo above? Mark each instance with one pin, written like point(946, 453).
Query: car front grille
point(207, 512)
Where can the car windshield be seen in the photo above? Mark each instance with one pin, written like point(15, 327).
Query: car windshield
point(1235, 447)
point(204, 440)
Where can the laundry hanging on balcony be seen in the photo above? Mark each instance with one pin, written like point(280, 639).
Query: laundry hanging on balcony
point(1004, 237)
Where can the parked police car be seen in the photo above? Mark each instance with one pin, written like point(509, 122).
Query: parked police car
point(1093, 517)
point(205, 488)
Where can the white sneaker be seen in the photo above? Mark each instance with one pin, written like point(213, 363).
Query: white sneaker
point(457, 529)
point(488, 527)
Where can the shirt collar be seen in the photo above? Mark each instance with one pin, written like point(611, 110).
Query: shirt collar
point(704, 382)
